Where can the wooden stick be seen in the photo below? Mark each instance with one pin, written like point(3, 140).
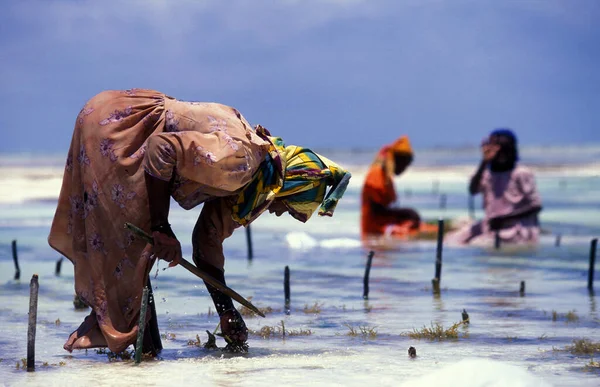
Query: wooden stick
point(435, 285)
point(438, 254)
point(557, 242)
point(249, 242)
point(33, 303)
point(593, 245)
point(497, 240)
point(286, 289)
point(522, 289)
point(435, 185)
point(199, 273)
point(443, 199)
point(141, 327)
point(366, 278)
point(16, 260)
point(58, 266)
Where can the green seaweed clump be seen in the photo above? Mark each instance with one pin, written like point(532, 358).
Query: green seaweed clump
point(364, 331)
point(437, 332)
point(583, 347)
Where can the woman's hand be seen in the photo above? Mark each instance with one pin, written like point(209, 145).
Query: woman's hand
point(167, 248)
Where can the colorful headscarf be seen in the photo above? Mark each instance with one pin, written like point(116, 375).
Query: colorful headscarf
point(386, 155)
point(298, 175)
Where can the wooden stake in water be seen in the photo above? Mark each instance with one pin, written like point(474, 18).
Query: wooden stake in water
point(557, 242)
point(522, 289)
point(497, 240)
point(16, 259)
point(249, 241)
point(33, 303)
point(438, 254)
point(153, 324)
point(437, 279)
point(443, 200)
point(286, 289)
point(471, 207)
point(141, 327)
point(593, 246)
point(58, 266)
point(367, 271)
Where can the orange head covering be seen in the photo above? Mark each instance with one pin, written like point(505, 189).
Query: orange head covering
point(386, 155)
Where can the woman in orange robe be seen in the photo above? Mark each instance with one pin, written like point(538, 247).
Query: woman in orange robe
point(377, 216)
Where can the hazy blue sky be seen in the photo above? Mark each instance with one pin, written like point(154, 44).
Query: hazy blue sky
point(330, 73)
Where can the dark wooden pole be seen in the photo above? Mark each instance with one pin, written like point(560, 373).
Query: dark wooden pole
point(557, 242)
point(153, 323)
point(249, 240)
point(443, 200)
point(16, 259)
point(286, 289)
point(497, 240)
point(141, 327)
point(438, 253)
point(436, 281)
point(522, 289)
point(58, 267)
point(366, 278)
point(593, 246)
point(435, 186)
point(33, 304)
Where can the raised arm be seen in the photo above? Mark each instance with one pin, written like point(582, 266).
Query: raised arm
point(488, 151)
point(476, 179)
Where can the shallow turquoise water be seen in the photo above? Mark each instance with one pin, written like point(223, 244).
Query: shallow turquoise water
point(327, 267)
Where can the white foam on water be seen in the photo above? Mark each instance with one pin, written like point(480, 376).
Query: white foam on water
point(478, 373)
point(300, 241)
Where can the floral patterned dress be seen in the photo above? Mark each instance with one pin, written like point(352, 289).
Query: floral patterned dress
point(209, 150)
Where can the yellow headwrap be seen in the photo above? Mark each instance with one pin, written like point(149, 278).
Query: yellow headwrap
point(386, 155)
point(297, 175)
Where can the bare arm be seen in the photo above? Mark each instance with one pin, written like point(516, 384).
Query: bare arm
point(166, 245)
point(476, 179)
point(488, 152)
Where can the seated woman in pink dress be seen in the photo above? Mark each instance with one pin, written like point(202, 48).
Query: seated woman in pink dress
point(510, 197)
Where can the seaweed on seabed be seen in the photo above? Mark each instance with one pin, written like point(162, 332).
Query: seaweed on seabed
point(247, 312)
point(267, 332)
point(314, 309)
point(593, 364)
point(364, 331)
point(570, 316)
point(583, 347)
point(437, 332)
